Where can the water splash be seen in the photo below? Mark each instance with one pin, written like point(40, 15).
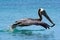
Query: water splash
point(29, 32)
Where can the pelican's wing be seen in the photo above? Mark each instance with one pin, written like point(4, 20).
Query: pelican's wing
point(45, 25)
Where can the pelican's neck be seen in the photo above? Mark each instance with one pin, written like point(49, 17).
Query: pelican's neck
point(40, 14)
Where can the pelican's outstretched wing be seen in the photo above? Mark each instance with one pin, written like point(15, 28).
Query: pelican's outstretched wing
point(45, 25)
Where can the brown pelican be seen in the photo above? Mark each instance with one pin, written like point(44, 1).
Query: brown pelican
point(30, 21)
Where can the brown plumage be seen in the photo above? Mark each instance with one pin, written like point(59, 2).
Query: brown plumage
point(30, 21)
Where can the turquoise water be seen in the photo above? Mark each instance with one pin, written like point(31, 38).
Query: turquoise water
point(12, 10)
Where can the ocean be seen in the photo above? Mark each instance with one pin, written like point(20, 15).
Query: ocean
point(12, 10)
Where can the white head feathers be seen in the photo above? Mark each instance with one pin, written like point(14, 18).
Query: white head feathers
point(41, 9)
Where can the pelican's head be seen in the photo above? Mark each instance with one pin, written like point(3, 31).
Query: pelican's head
point(41, 9)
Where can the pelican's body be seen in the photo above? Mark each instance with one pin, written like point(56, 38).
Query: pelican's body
point(27, 21)
point(30, 21)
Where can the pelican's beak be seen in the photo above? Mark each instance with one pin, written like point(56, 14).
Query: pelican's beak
point(45, 14)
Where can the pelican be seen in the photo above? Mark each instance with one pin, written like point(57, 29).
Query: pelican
point(30, 21)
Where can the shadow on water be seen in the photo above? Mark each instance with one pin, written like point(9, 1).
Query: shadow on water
point(41, 34)
point(22, 31)
point(34, 35)
point(31, 34)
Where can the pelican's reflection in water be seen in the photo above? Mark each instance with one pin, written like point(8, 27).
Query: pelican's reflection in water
point(46, 37)
point(39, 36)
point(49, 36)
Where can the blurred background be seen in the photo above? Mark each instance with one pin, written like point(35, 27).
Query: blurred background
point(12, 10)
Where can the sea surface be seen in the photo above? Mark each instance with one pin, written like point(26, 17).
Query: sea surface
point(12, 10)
